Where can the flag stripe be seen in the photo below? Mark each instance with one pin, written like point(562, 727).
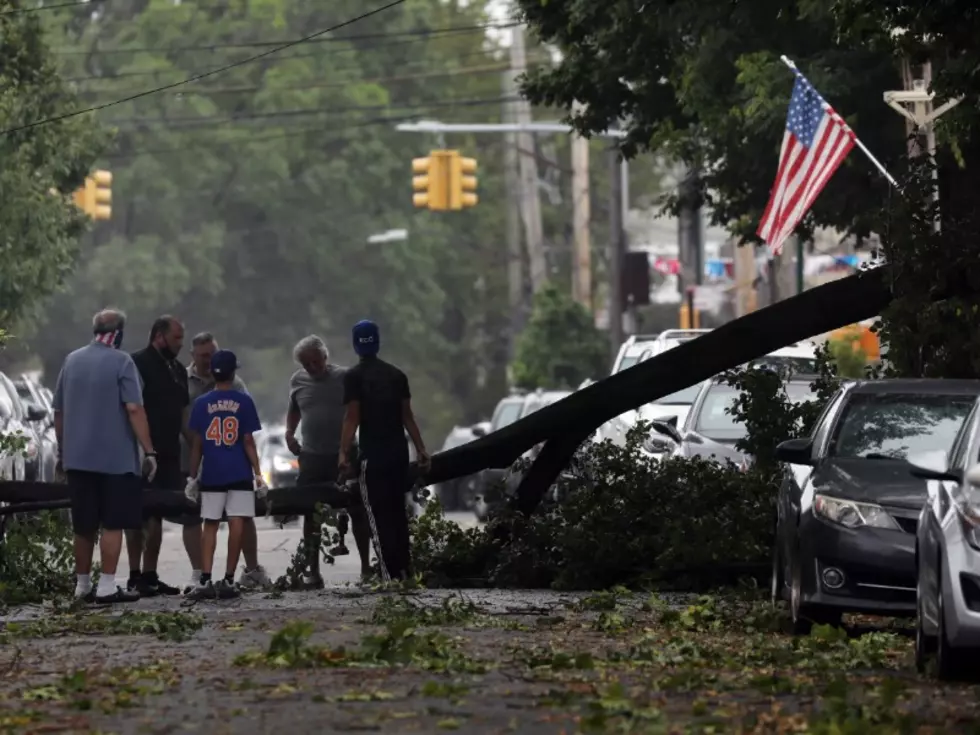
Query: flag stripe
point(815, 144)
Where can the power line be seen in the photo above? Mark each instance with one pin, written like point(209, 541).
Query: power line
point(316, 54)
point(204, 75)
point(191, 122)
point(465, 71)
point(422, 32)
point(45, 7)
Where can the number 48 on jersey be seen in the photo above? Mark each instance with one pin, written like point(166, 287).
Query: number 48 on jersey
point(223, 430)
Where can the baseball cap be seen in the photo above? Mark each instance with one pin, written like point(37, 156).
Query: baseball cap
point(223, 363)
point(366, 338)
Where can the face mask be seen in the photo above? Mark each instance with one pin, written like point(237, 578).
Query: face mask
point(112, 339)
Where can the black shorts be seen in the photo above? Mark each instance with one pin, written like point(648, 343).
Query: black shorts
point(110, 502)
point(170, 476)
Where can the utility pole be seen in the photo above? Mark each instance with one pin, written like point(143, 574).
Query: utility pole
point(530, 201)
point(616, 250)
point(581, 214)
point(689, 231)
point(512, 179)
point(920, 120)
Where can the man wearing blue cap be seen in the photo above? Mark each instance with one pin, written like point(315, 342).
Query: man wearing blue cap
point(377, 400)
point(223, 453)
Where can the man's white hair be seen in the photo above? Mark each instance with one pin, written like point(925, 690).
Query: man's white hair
point(308, 344)
point(108, 320)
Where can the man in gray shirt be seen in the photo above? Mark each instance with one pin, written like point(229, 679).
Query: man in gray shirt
point(316, 395)
point(201, 381)
point(100, 425)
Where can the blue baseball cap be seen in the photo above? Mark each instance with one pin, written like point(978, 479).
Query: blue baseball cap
point(223, 363)
point(366, 338)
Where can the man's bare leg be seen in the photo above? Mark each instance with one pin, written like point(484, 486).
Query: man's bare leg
point(110, 547)
point(250, 543)
point(236, 529)
point(134, 549)
point(152, 541)
point(84, 548)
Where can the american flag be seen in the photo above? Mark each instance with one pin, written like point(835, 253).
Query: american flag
point(816, 142)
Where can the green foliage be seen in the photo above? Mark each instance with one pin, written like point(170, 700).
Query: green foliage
point(606, 532)
point(36, 558)
point(927, 338)
point(849, 359)
point(703, 82)
point(39, 166)
point(560, 346)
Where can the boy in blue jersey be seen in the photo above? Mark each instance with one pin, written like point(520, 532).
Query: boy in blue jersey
point(224, 470)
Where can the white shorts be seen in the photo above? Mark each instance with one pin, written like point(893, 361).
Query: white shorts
point(231, 503)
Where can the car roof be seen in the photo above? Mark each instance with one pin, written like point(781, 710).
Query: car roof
point(935, 386)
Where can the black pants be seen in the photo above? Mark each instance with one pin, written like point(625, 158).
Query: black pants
point(387, 483)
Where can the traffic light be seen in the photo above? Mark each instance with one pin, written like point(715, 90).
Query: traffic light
point(462, 182)
point(444, 180)
point(95, 197)
point(431, 181)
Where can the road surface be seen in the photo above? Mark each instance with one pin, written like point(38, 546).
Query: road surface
point(276, 547)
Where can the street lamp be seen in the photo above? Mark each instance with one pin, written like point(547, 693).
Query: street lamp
point(388, 236)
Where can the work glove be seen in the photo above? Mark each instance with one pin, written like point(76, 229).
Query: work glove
point(192, 491)
point(150, 467)
point(261, 489)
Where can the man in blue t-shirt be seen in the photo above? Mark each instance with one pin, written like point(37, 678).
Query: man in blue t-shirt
point(224, 457)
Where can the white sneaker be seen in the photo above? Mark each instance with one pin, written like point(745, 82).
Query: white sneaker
point(254, 579)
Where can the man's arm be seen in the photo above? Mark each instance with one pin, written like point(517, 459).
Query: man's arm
point(292, 422)
point(352, 413)
point(194, 463)
point(131, 396)
point(408, 418)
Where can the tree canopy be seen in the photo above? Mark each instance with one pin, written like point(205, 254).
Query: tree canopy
point(39, 166)
point(704, 81)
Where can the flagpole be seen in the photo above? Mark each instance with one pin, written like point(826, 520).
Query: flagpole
point(857, 141)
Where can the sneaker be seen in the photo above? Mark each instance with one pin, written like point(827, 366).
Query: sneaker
point(120, 595)
point(254, 579)
point(205, 591)
point(150, 585)
point(339, 550)
point(227, 590)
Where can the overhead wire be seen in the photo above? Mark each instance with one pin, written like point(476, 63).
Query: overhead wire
point(203, 75)
point(39, 8)
point(423, 33)
point(183, 123)
point(316, 54)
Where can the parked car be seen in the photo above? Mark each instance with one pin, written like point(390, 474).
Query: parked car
point(709, 431)
point(453, 493)
point(848, 507)
point(13, 464)
point(40, 419)
point(492, 481)
point(280, 467)
point(631, 350)
point(947, 556)
point(799, 359)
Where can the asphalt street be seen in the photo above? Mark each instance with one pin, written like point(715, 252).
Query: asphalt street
point(276, 547)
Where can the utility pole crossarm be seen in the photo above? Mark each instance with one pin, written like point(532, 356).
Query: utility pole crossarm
point(432, 126)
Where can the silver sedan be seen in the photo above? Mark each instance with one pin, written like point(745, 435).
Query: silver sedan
point(948, 557)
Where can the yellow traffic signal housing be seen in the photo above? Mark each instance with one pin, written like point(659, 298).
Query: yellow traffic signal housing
point(95, 197)
point(462, 182)
point(431, 181)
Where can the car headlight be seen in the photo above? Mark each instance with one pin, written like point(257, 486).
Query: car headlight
point(850, 514)
point(283, 464)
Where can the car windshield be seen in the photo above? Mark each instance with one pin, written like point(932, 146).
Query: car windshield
point(24, 392)
point(876, 425)
point(715, 422)
point(683, 397)
point(627, 362)
point(507, 414)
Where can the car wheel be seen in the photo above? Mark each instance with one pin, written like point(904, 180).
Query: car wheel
point(951, 663)
point(804, 617)
point(925, 645)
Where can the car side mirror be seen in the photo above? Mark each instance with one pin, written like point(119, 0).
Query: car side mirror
point(478, 431)
point(796, 451)
point(668, 429)
point(36, 413)
point(671, 421)
point(973, 475)
point(934, 466)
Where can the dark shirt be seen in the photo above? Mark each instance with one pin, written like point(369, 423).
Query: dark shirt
point(165, 395)
point(380, 388)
